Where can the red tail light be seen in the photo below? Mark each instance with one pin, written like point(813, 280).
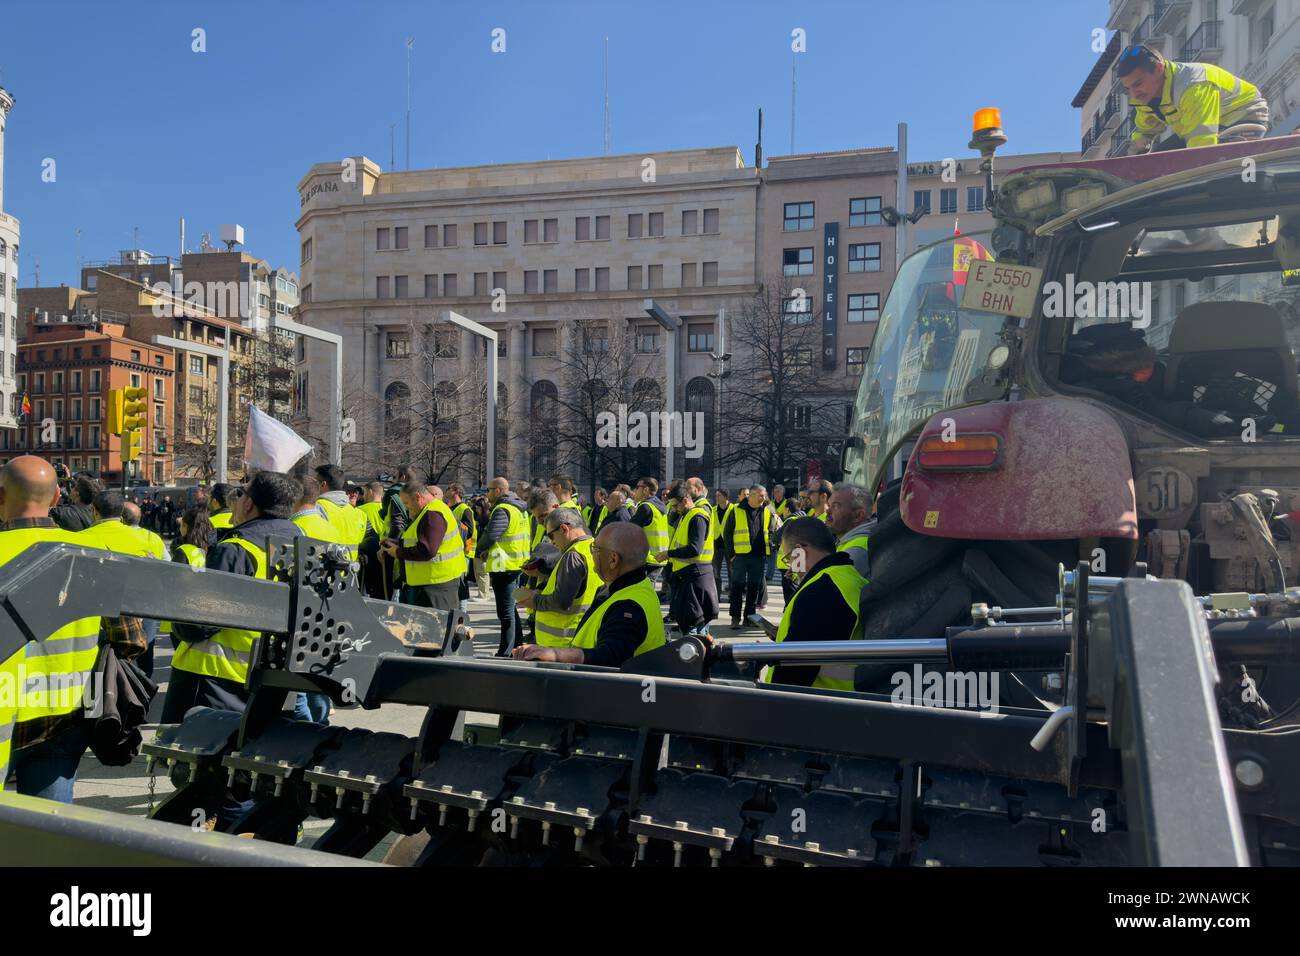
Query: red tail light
point(960, 453)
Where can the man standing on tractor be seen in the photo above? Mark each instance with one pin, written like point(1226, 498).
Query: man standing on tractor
point(1200, 104)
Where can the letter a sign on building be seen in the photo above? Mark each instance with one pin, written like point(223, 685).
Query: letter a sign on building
point(830, 292)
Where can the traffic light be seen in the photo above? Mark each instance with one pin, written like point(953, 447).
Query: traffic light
point(113, 419)
point(132, 422)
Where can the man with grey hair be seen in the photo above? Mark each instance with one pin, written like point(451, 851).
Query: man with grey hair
point(503, 546)
point(850, 519)
point(571, 585)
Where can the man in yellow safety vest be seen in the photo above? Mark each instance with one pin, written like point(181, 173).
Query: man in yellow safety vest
point(431, 549)
point(851, 522)
point(503, 546)
point(571, 586)
point(652, 516)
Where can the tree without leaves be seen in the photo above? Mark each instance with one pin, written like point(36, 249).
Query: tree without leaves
point(778, 411)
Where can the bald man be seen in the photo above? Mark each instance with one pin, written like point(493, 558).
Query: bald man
point(45, 728)
point(624, 621)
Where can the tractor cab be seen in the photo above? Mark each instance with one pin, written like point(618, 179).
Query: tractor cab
point(1139, 372)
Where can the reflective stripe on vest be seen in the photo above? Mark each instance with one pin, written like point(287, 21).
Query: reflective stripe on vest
point(196, 559)
point(850, 584)
point(510, 551)
point(316, 525)
point(347, 521)
point(656, 533)
point(558, 628)
point(449, 563)
point(681, 538)
point(642, 593)
point(48, 678)
point(465, 516)
point(740, 530)
point(227, 653)
point(371, 509)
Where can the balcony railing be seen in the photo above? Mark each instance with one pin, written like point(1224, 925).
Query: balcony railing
point(1143, 31)
point(1168, 13)
point(1119, 142)
point(1088, 140)
point(1207, 40)
point(1109, 110)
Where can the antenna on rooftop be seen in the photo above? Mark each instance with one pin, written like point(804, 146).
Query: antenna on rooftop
point(606, 74)
point(793, 87)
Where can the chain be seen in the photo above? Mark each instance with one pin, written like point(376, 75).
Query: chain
point(153, 782)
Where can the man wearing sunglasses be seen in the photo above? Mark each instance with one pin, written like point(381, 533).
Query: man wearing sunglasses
point(1200, 104)
point(624, 620)
point(571, 587)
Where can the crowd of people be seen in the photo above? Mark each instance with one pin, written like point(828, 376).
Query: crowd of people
point(594, 582)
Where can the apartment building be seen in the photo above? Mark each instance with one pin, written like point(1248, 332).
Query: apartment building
point(1258, 40)
point(9, 236)
point(67, 364)
point(384, 254)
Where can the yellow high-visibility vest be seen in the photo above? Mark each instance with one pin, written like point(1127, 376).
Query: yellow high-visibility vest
point(371, 511)
point(681, 538)
point(314, 524)
point(850, 584)
point(644, 594)
point(510, 552)
point(227, 653)
point(465, 516)
point(221, 519)
point(558, 628)
point(347, 521)
point(740, 530)
point(449, 563)
point(656, 533)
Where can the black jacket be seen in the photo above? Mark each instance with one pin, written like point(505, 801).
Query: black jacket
point(394, 512)
point(123, 695)
point(72, 517)
point(622, 629)
point(817, 613)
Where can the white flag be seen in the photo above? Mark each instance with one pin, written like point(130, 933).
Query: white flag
point(271, 445)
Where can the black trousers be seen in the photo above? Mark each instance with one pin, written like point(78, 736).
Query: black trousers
point(746, 584)
point(512, 628)
point(440, 597)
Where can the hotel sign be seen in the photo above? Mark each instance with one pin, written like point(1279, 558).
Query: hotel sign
point(830, 293)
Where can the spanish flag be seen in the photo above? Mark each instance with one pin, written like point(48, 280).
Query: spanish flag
point(27, 404)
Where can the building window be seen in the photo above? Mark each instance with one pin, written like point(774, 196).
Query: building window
point(550, 280)
point(430, 237)
point(865, 211)
point(797, 262)
point(75, 406)
point(449, 284)
point(196, 394)
point(711, 222)
point(498, 282)
point(602, 278)
point(799, 216)
point(699, 338)
point(76, 380)
point(306, 257)
point(530, 281)
point(480, 283)
point(796, 310)
point(688, 275)
point(480, 233)
point(94, 435)
point(159, 389)
point(647, 339)
point(864, 307)
point(381, 287)
point(431, 285)
point(582, 228)
point(602, 227)
point(655, 276)
point(38, 382)
point(543, 342)
point(135, 357)
point(656, 224)
point(595, 339)
point(798, 416)
point(921, 200)
point(399, 237)
point(135, 380)
point(581, 280)
point(530, 231)
point(634, 225)
point(948, 200)
point(634, 277)
point(498, 233)
point(974, 198)
point(710, 273)
point(798, 358)
point(196, 364)
point(400, 287)
point(95, 381)
point(550, 230)
point(381, 240)
point(690, 222)
point(855, 362)
point(864, 257)
point(449, 235)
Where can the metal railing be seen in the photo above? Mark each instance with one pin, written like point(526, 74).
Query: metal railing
point(1088, 140)
point(1143, 31)
point(1206, 37)
point(1165, 7)
point(1120, 142)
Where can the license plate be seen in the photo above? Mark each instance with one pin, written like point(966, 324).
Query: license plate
point(1002, 288)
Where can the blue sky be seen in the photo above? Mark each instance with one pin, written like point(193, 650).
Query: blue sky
point(144, 130)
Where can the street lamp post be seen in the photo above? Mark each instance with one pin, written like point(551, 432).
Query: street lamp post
point(469, 325)
point(222, 355)
point(670, 323)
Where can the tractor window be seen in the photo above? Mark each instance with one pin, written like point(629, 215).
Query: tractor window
point(926, 352)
